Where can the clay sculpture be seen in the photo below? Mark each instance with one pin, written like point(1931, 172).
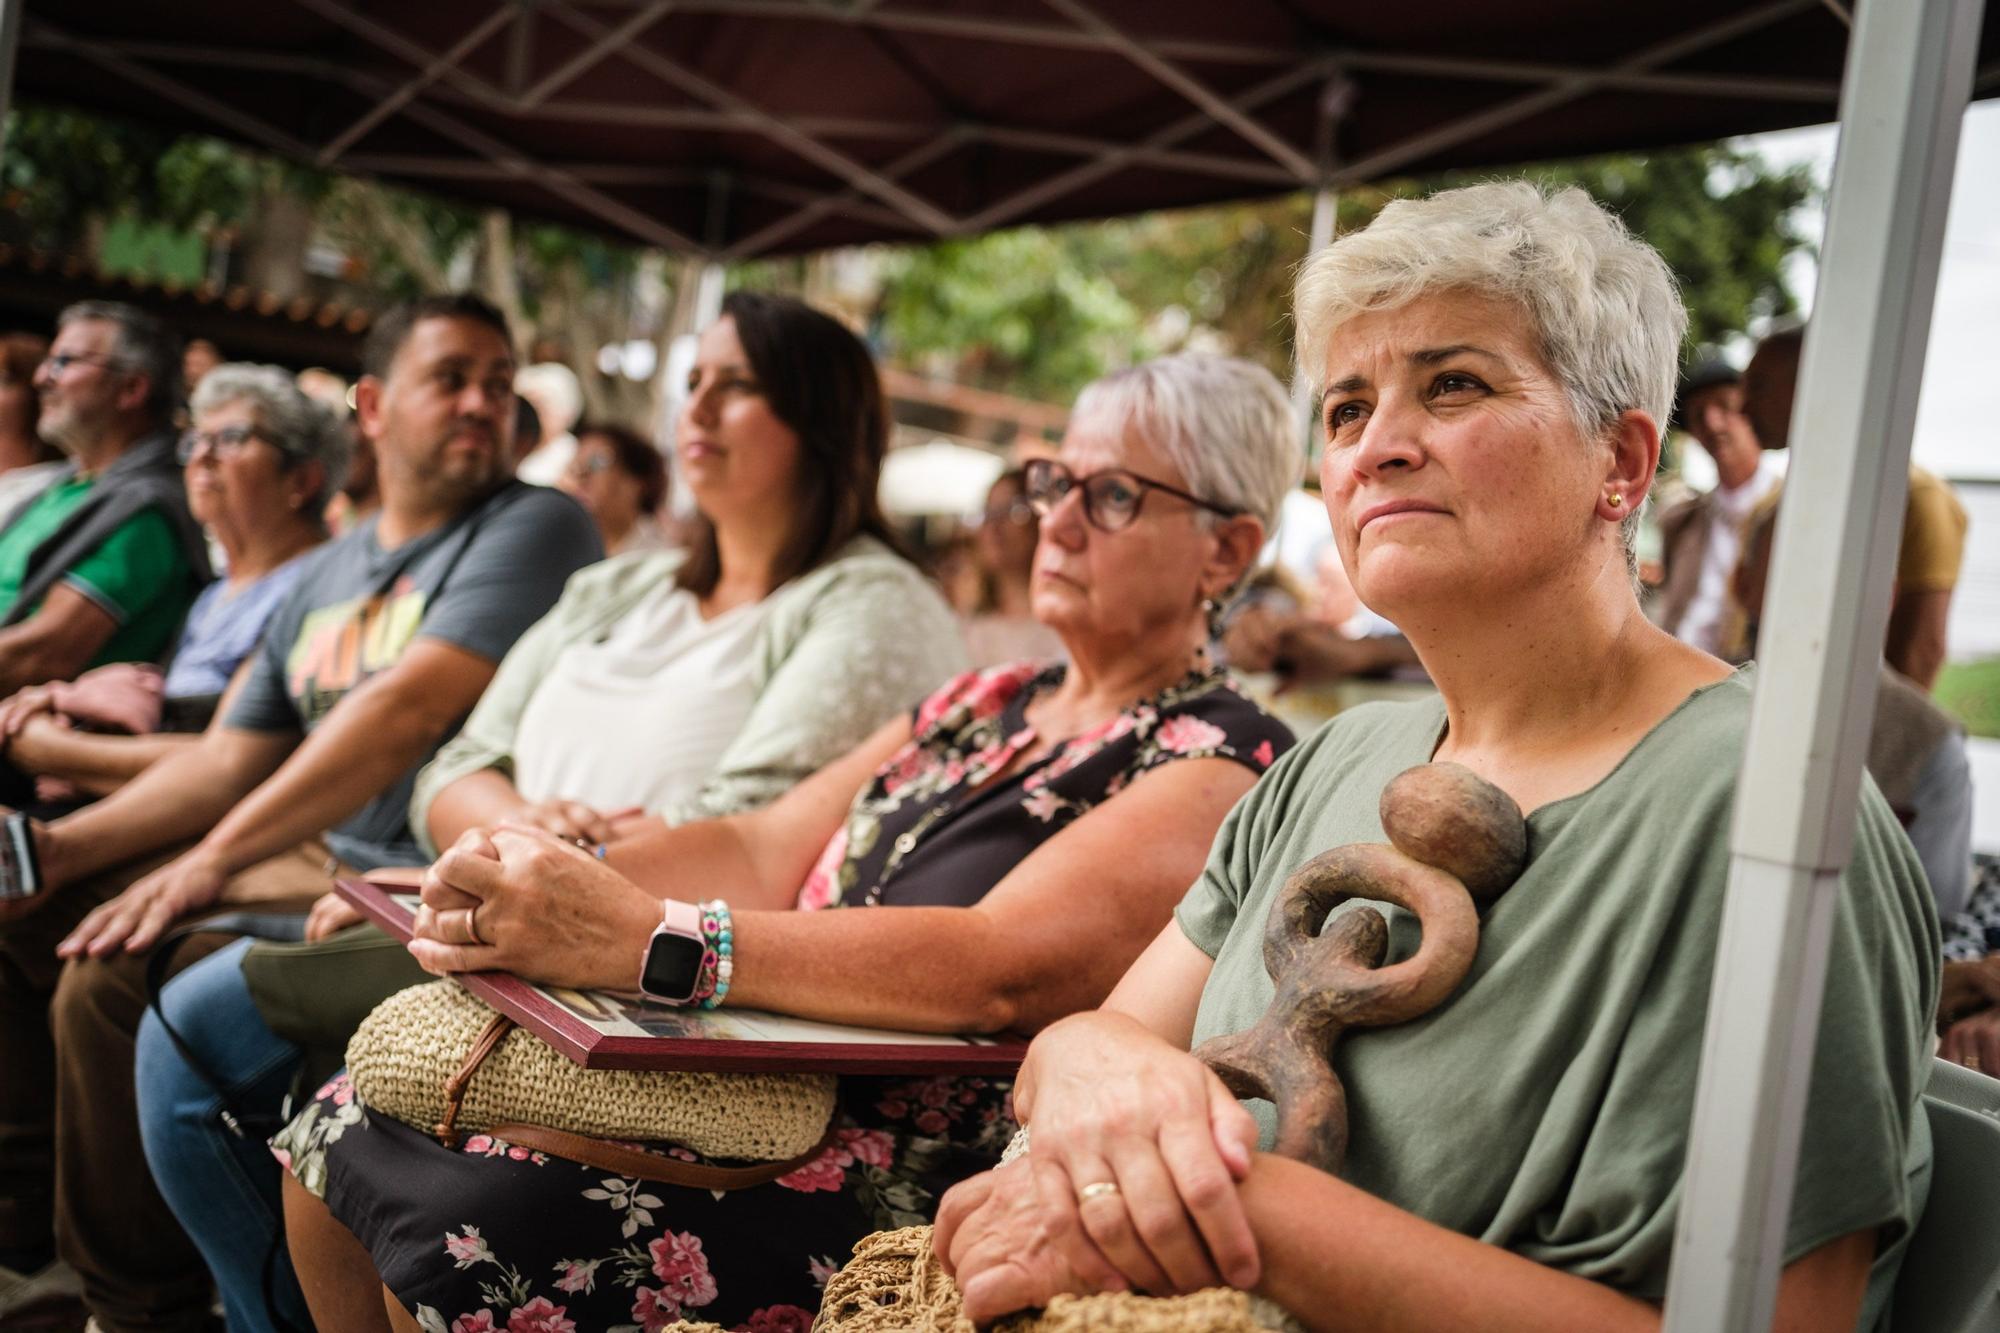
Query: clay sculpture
point(1456, 843)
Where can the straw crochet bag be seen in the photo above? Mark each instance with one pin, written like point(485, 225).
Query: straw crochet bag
point(894, 1284)
point(415, 1057)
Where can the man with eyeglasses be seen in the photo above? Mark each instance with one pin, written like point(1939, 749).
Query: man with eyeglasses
point(101, 564)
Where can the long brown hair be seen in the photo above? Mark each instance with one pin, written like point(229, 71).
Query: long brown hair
point(820, 380)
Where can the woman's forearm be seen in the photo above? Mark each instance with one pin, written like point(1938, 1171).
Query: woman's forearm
point(477, 800)
point(1342, 1260)
point(932, 969)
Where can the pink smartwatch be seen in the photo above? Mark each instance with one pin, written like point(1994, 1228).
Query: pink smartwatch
point(671, 967)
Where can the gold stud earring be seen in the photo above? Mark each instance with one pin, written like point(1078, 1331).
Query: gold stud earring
point(1617, 499)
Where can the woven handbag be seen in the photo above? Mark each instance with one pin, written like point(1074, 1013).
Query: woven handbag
point(438, 1058)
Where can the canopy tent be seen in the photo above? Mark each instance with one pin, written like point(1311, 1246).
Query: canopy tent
point(737, 128)
point(732, 128)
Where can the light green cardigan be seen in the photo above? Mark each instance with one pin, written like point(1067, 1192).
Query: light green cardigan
point(841, 649)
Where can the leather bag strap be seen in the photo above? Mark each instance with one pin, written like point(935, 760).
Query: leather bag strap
point(604, 1154)
point(625, 1161)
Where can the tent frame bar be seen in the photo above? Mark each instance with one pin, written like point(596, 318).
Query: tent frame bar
point(438, 79)
point(1908, 79)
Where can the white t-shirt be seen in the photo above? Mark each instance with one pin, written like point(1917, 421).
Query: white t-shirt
point(642, 716)
point(1701, 623)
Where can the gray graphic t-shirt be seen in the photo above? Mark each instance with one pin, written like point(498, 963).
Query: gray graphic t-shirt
point(476, 582)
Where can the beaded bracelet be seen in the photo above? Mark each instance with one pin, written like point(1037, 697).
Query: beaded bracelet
point(718, 965)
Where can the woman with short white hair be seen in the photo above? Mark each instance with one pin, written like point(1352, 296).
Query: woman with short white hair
point(1496, 364)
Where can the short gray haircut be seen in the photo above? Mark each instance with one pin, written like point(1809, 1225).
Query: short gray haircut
point(1225, 422)
point(145, 345)
point(1607, 316)
point(300, 428)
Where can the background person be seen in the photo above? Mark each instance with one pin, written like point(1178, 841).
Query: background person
point(1518, 1154)
point(928, 879)
point(622, 480)
point(1701, 538)
point(260, 461)
point(664, 687)
point(1001, 626)
point(383, 646)
point(27, 461)
point(1934, 522)
point(101, 565)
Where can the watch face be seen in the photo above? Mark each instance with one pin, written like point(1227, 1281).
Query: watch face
point(673, 964)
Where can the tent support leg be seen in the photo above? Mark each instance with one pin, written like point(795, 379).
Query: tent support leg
point(1909, 73)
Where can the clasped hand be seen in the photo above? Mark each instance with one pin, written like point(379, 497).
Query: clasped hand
point(523, 900)
point(1110, 1104)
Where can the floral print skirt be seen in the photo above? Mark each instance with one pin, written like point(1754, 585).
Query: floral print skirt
point(491, 1237)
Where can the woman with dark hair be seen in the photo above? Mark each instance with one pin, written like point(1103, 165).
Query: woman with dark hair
point(622, 480)
point(27, 462)
point(664, 687)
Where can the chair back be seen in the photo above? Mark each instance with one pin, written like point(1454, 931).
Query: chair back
point(1950, 1279)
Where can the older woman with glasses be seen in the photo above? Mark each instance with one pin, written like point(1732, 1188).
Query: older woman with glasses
point(260, 461)
point(989, 862)
point(1496, 366)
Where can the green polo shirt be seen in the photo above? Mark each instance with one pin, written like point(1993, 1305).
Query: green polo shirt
point(138, 576)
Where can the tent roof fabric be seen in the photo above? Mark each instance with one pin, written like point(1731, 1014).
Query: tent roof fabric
point(739, 128)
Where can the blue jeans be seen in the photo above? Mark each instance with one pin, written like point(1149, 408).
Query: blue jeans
point(224, 1189)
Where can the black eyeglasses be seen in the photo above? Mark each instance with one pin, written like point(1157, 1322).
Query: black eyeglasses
point(229, 442)
point(1111, 498)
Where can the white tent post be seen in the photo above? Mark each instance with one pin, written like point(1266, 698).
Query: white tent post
point(1909, 74)
point(10, 49)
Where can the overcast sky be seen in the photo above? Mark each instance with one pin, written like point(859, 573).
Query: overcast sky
point(1960, 408)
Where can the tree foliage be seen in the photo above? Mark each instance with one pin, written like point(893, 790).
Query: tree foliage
point(1045, 310)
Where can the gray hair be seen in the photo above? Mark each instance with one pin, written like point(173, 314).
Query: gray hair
point(300, 428)
point(1225, 422)
point(1607, 316)
point(146, 346)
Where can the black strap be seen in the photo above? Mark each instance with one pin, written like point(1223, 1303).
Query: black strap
point(235, 1118)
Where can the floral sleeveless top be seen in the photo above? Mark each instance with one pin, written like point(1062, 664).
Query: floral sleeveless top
point(933, 829)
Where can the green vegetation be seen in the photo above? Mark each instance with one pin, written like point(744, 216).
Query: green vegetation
point(1970, 692)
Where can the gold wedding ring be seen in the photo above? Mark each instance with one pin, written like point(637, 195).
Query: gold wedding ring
point(464, 926)
point(1972, 1063)
point(1100, 1189)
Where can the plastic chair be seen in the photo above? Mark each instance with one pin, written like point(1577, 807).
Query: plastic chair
point(1950, 1280)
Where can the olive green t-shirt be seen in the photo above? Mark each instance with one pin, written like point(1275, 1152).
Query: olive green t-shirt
point(1545, 1107)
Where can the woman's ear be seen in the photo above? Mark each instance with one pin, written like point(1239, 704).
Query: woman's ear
point(1237, 543)
point(1633, 446)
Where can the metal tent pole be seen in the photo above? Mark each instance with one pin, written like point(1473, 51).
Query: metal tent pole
point(1909, 74)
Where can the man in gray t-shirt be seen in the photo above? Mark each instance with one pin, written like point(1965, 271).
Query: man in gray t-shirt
point(380, 651)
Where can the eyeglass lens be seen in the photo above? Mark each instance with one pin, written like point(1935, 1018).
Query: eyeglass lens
point(1110, 499)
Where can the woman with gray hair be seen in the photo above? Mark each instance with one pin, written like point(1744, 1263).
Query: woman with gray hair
point(1496, 364)
point(1028, 827)
point(260, 462)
